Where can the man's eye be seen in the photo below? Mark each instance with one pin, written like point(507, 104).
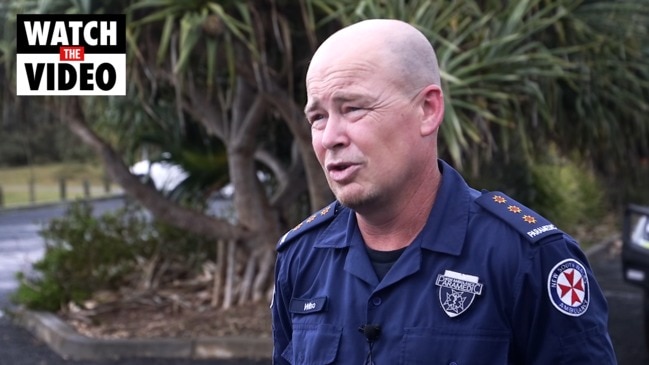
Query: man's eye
point(314, 118)
point(355, 110)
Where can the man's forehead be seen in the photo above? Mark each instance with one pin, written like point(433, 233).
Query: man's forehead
point(342, 68)
point(339, 78)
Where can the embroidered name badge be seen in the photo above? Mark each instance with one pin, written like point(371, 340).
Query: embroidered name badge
point(457, 291)
point(568, 288)
point(306, 306)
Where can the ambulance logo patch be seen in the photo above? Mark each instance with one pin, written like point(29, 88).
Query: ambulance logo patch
point(568, 288)
point(457, 291)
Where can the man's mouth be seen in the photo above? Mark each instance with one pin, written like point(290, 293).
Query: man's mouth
point(341, 172)
point(340, 166)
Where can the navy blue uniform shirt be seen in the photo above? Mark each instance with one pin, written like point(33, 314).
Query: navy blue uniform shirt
point(487, 281)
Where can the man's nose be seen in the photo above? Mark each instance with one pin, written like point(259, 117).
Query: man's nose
point(335, 134)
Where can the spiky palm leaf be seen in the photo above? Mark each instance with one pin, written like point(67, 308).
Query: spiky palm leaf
point(519, 75)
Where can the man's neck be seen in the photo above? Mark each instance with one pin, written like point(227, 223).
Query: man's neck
point(395, 227)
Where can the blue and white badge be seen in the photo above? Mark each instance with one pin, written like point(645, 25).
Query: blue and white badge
point(568, 288)
point(457, 291)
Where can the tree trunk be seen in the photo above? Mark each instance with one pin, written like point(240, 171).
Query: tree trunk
point(245, 285)
point(319, 191)
point(218, 273)
point(228, 295)
point(264, 274)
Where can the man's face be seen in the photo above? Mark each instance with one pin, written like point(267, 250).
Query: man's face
point(365, 130)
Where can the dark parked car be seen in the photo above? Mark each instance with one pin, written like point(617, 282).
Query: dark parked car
point(635, 254)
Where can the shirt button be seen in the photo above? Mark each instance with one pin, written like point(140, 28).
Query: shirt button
point(376, 301)
point(452, 363)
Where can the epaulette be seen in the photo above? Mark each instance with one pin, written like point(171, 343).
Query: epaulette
point(526, 221)
point(324, 215)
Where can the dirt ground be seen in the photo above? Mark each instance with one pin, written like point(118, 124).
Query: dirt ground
point(167, 314)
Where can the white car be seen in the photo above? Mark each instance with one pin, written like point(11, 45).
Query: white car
point(164, 176)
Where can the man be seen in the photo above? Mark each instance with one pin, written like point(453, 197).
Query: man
point(410, 265)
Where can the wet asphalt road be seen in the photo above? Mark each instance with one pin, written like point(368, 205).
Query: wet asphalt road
point(625, 310)
point(20, 245)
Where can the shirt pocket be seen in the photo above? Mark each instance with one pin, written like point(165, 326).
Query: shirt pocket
point(313, 344)
point(433, 346)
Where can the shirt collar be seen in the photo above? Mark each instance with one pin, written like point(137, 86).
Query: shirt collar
point(447, 223)
point(444, 231)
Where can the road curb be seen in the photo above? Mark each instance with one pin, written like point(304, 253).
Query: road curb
point(70, 345)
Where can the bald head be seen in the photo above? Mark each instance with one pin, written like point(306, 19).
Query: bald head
point(397, 46)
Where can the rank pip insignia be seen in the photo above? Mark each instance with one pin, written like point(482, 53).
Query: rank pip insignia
point(457, 291)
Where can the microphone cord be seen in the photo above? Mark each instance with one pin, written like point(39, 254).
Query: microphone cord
point(369, 360)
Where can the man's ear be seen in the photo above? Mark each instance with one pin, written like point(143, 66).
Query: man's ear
point(432, 105)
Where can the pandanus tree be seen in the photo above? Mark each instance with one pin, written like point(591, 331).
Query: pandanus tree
point(520, 76)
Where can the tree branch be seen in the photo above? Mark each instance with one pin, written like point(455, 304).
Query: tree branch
point(200, 108)
point(319, 192)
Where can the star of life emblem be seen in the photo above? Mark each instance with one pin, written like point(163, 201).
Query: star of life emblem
point(568, 288)
point(457, 291)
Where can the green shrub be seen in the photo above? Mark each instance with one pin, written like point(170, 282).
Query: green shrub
point(566, 193)
point(562, 189)
point(85, 254)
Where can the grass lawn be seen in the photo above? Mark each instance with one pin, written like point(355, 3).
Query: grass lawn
point(79, 180)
